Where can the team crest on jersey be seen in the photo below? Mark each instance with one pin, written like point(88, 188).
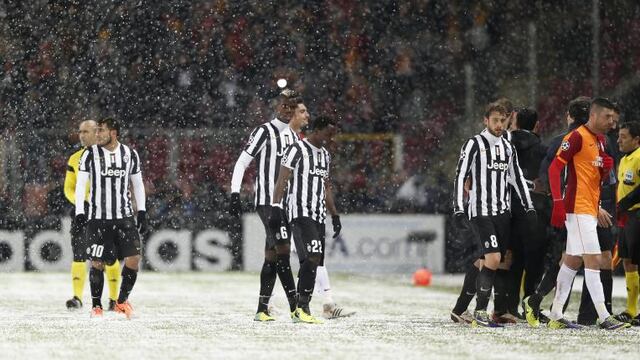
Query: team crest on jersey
point(628, 178)
point(125, 159)
point(564, 146)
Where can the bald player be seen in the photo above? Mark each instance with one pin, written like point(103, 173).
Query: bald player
point(87, 136)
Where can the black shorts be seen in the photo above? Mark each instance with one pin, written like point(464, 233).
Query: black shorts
point(605, 238)
point(308, 235)
point(271, 240)
point(629, 245)
point(494, 233)
point(109, 240)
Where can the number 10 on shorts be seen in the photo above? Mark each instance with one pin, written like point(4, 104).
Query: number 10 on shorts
point(95, 250)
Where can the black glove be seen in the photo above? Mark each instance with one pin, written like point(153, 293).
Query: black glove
point(460, 221)
point(143, 227)
point(234, 205)
point(337, 225)
point(275, 218)
point(78, 224)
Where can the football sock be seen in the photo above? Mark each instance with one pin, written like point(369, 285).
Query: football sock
point(306, 281)
point(484, 283)
point(267, 281)
point(587, 314)
point(129, 277)
point(96, 282)
point(323, 285)
point(113, 278)
point(606, 277)
point(78, 277)
point(283, 267)
point(468, 290)
point(563, 288)
point(548, 281)
point(500, 291)
point(633, 287)
point(592, 278)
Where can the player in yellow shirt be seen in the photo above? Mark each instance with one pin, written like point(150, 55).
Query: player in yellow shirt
point(629, 205)
point(87, 135)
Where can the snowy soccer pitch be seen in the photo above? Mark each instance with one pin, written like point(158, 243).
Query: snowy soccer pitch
point(210, 315)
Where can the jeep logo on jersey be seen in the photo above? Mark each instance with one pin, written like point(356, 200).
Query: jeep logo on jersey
point(319, 172)
point(498, 166)
point(113, 172)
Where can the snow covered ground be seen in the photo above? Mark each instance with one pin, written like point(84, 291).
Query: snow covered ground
point(210, 315)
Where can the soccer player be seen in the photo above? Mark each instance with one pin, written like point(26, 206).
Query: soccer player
point(87, 135)
point(577, 115)
point(629, 205)
point(583, 152)
point(492, 164)
point(606, 217)
point(267, 144)
point(112, 169)
point(309, 196)
point(527, 239)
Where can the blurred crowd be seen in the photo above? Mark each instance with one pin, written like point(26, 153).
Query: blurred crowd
point(171, 68)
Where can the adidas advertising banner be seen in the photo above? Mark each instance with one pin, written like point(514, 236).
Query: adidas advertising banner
point(164, 250)
point(367, 244)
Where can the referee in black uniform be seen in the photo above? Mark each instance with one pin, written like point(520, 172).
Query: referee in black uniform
point(111, 169)
point(491, 162)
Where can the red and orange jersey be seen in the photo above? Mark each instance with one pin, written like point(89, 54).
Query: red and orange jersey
point(580, 151)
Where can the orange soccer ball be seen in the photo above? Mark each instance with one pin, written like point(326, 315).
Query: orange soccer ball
point(422, 277)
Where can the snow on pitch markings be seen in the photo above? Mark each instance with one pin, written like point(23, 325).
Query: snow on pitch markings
point(205, 315)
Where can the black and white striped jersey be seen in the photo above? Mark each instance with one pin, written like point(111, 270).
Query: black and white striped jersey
point(109, 180)
point(306, 188)
point(267, 144)
point(492, 164)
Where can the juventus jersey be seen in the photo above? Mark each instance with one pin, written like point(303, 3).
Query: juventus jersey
point(306, 189)
point(109, 180)
point(267, 144)
point(492, 164)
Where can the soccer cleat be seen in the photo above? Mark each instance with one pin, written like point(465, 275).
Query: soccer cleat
point(96, 312)
point(624, 317)
point(563, 324)
point(74, 303)
point(124, 308)
point(464, 318)
point(332, 311)
point(263, 316)
point(635, 321)
point(611, 323)
point(532, 316)
point(481, 319)
point(544, 319)
point(505, 318)
point(302, 316)
point(112, 305)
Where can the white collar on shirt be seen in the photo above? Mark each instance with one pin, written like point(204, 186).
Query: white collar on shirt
point(279, 124)
point(489, 136)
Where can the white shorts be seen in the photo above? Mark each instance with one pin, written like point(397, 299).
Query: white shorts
point(582, 234)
